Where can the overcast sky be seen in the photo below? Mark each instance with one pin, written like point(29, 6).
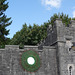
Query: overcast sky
point(36, 11)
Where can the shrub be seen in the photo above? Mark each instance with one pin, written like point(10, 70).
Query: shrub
point(21, 46)
point(2, 46)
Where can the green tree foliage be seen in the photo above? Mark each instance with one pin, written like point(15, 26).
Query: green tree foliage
point(29, 35)
point(32, 35)
point(65, 19)
point(4, 22)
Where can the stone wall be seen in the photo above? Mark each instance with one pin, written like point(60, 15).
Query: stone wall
point(56, 53)
point(66, 59)
point(10, 60)
point(58, 32)
point(65, 53)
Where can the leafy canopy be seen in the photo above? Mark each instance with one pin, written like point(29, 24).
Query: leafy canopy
point(4, 22)
point(32, 35)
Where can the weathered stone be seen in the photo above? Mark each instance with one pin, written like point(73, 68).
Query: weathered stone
point(56, 54)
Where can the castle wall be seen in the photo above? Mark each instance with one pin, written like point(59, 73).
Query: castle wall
point(57, 53)
point(10, 60)
point(65, 53)
point(66, 59)
point(66, 32)
point(50, 60)
point(51, 37)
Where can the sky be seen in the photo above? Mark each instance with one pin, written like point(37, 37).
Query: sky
point(36, 12)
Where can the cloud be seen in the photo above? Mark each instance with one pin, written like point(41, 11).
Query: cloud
point(52, 3)
point(74, 14)
point(73, 7)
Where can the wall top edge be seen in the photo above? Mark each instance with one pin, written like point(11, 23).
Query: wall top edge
point(51, 47)
point(11, 45)
point(30, 46)
point(17, 46)
point(2, 49)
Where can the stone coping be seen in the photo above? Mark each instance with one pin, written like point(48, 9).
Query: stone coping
point(50, 47)
point(2, 49)
point(30, 46)
point(17, 46)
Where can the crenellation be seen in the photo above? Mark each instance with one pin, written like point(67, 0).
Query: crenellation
point(73, 23)
point(59, 23)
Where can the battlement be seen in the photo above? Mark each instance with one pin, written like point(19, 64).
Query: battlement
point(59, 32)
point(58, 23)
point(63, 32)
point(16, 48)
point(73, 23)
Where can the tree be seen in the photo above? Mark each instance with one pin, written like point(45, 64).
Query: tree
point(29, 35)
point(32, 35)
point(4, 22)
point(65, 19)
